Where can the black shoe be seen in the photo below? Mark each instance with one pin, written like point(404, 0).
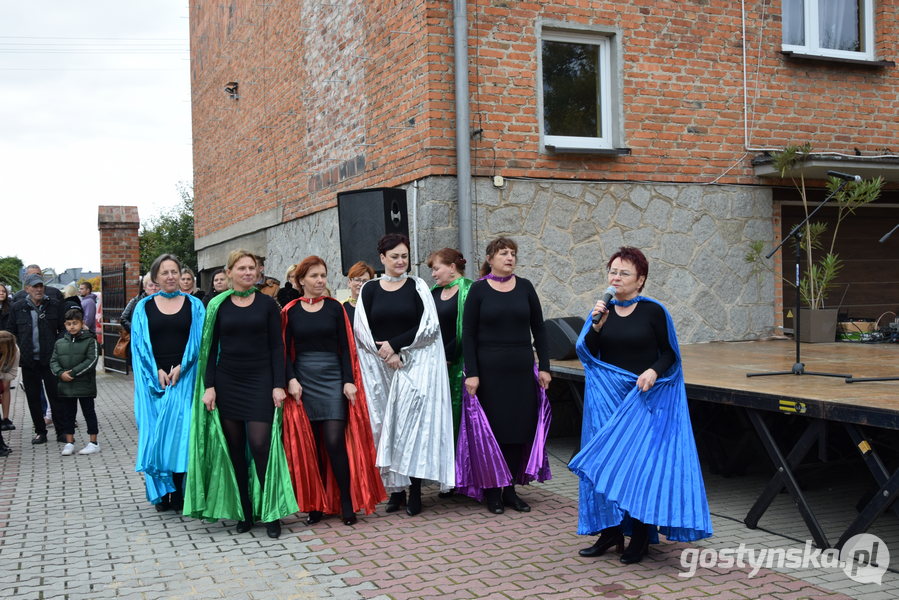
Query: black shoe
point(163, 505)
point(445, 495)
point(414, 505)
point(638, 545)
point(243, 526)
point(350, 519)
point(6, 425)
point(273, 529)
point(611, 536)
point(314, 517)
point(39, 438)
point(495, 506)
point(397, 499)
point(511, 499)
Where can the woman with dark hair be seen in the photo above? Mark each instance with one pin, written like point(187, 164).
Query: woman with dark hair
point(357, 276)
point(324, 380)
point(242, 389)
point(636, 437)
point(404, 371)
point(219, 285)
point(507, 408)
point(450, 292)
point(165, 342)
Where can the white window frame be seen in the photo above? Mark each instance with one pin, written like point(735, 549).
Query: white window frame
point(603, 43)
point(811, 47)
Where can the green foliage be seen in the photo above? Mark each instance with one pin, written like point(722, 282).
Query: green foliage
point(172, 232)
point(818, 244)
point(10, 267)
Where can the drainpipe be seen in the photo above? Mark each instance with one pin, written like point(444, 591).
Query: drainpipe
point(463, 135)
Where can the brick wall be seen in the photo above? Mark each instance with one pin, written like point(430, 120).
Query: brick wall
point(119, 243)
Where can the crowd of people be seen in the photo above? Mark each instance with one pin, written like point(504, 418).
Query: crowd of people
point(255, 403)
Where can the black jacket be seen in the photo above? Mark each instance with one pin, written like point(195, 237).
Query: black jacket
point(50, 323)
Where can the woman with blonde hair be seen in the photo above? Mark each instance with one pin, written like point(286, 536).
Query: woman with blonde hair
point(237, 408)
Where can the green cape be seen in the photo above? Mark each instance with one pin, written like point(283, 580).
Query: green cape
point(455, 368)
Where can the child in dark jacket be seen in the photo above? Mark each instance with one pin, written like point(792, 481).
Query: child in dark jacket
point(74, 362)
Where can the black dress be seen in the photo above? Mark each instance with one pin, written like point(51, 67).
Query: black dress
point(636, 342)
point(447, 314)
point(246, 359)
point(321, 359)
point(393, 316)
point(168, 334)
point(496, 342)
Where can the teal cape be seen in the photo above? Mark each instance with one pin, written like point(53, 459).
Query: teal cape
point(162, 416)
point(210, 489)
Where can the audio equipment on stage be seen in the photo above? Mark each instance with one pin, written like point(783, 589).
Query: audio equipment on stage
point(363, 217)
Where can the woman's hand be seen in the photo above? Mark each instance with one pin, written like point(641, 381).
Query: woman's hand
point(175, 374)
point(209, 398)
point(471, 385)
point(600, 309)
point(647, 379)
point(163, 378)
point(543, 378)
point(349, 390)
point(294, 389)
point(278, 396)
point(395, 362)
point(385, 350)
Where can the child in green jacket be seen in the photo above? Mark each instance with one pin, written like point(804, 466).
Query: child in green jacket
point(74, 362)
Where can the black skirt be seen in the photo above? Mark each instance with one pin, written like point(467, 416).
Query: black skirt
point(319, 374)
point(508, 392)
point(243, 392)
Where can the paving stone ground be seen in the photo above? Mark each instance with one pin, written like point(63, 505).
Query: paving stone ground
point(79, 527)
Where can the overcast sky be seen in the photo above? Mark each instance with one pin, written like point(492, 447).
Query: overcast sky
point(95, 110)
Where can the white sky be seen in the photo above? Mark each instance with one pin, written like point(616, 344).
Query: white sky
point(95, 110)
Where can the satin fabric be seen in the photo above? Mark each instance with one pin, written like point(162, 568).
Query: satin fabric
point(311, 492)
point(638, 454)
point(210, 488)
point(479, 461)
point(456, 376)
point(409, 408)
point(162, 416)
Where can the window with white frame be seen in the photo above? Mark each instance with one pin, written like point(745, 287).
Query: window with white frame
point(835, 28)
point(576, 90)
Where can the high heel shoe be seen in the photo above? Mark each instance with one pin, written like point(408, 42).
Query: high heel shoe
point(397, 499)
point(273, 529)
point(638, 545)
point(608, 537)
point(314, 517)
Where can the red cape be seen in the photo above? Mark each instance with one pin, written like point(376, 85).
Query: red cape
point(302, 456)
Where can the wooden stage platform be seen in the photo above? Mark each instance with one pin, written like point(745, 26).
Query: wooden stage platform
point(717, 373)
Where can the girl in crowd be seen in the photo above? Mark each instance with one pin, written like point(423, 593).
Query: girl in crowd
point(165, 343)
point(322, 377)
point(358, 274)
point(636, 436)
point(242, 361)
point(404, 371)
point(219, 285)
point(9, 368)
point(502, 315)
point(188, 283)
point(450, 291)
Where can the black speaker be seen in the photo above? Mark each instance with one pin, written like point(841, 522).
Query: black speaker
point(561, 335)
point(364, 216)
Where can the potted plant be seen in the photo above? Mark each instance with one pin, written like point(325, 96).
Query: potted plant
point(818, 242)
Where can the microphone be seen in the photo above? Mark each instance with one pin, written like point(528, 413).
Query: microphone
point(844, 176)
point(610, 293)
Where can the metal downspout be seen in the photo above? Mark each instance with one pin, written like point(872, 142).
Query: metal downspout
point(463, 135)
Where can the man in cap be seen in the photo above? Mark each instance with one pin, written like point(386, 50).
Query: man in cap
point(37, 322)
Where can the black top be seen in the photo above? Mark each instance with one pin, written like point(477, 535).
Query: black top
point(249, 336)
point(50, 324)
point(636, 342)
point(447, 313)
point(322, 331)
point(350, 310)
point(168, 334)
point(493, 318)
point(393, 317)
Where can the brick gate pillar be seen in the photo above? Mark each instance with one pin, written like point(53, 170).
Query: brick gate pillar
point(119, 243)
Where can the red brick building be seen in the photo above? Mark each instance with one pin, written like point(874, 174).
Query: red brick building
point(609, 122)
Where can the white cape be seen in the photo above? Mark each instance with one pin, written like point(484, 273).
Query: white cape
point(410, 410)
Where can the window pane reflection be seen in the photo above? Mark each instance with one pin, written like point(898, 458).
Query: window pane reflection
point(571, 89)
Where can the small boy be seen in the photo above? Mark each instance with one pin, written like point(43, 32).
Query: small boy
point(74, 361)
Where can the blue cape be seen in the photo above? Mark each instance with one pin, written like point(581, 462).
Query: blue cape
point(638, 455)
point(163, 416)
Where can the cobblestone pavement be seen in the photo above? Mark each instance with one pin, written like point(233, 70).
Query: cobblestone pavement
point(79, 527)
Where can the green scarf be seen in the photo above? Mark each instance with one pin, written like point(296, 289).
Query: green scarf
point(456, 375)
point(210, 488)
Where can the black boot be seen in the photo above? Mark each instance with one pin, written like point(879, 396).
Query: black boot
point(397, 499)
point(608, 537)
point(493, 500)
point(511, 499)
point(638, 545)
point(414, 506)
